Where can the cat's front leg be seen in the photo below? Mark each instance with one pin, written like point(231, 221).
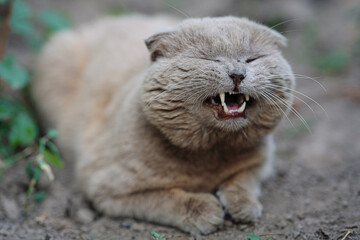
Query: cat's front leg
point(190, 212)
point(239, 196)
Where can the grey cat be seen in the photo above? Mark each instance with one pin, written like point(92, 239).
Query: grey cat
point(155, 135)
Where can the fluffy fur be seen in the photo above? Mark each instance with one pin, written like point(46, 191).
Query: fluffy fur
point(132, 115)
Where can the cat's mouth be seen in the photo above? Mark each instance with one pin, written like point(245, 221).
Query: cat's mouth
point(229, 104)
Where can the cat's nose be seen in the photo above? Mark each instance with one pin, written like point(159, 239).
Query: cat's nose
point(237, 78)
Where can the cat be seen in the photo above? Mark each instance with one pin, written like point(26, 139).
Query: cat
point(176, 131)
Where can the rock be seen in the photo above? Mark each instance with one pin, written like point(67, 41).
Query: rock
point(320, 234)
point(85, 215)
point(126, 224)
point(10, 208)
point(137, 227)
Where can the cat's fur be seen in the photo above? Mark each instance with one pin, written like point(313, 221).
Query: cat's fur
point(144, 144)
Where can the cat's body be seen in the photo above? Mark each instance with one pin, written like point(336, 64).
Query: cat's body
point(147, 142)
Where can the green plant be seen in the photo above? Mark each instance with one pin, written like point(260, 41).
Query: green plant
point(157, 236)
point(256, 237)
point(327, 59)
point(335, 61)
point(19, 133)
point(47, 155)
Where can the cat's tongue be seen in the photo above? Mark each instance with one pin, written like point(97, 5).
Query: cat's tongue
point(232, 106)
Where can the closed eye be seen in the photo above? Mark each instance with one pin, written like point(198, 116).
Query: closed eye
point(249, 60)
point(209, 59)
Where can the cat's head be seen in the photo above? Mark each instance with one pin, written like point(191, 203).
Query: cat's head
point(216, 79)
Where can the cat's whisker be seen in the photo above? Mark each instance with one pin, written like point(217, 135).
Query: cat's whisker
point(176, 9)
point(300, 99)
point(292, 109)
point(193, 94)
point(300, 93)
point(301, 76)
point(290, 31)
point(191, 87)
point(287, 107)
point(283, 22)
point(266, 96)
point(271, 103)
point(172, 88)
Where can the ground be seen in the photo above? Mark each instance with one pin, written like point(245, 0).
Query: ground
point(315, 192)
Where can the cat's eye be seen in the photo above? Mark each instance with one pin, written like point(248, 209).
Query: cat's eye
point(249, 60)
point(210, 59)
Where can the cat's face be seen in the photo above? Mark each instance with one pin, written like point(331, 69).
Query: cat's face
point(216, 76)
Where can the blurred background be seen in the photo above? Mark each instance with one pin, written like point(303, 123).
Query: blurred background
point(315, 193)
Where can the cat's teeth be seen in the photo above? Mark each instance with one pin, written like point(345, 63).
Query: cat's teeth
point(242, 108)
point(222, 98)
point(247, 98)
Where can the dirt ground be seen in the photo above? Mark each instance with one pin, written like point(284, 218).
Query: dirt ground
point(315, 193)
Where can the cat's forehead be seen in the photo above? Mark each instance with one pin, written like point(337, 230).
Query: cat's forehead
point(228, 35)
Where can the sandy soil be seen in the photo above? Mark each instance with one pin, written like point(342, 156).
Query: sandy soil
point(315, 193)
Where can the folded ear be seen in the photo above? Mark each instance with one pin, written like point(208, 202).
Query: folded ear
point(277, 38)
point(159, 44)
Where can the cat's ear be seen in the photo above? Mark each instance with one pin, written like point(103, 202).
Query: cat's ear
point(277, 38)
point(159, 44)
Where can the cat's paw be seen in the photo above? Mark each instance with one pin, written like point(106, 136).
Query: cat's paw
point(204, 214)
point(240, 208)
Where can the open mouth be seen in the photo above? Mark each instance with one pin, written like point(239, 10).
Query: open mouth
point(229, 104)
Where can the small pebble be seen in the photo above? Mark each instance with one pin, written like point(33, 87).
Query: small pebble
point(85, 215)
point(137, 227)
point(126, 224)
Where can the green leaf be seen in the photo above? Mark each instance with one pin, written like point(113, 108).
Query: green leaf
point(33, 171)
point(155, 235)
point(52, 147)
point(52, 133)
point(12, 73)
point(5, 113)
point(23, 130)
point(20, 16)
point(42, 146)
point(39, 197)
point(162, 236)
point(252, 237)
point(6, 152)
point(20, 23)
point(334, 61)
point(53, 21)
point(6, 109)
point(52, 158)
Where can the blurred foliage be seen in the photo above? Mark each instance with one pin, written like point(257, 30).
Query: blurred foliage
point(17, 128)
point(256, 237)
point(328, 61)
point(35, 27)
point(334, 61)
point(21, 23)
point(19, 132)
point(39, 197)
point(53, 21)
point(157, 236)
point(117, 11)
point(12, 73)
